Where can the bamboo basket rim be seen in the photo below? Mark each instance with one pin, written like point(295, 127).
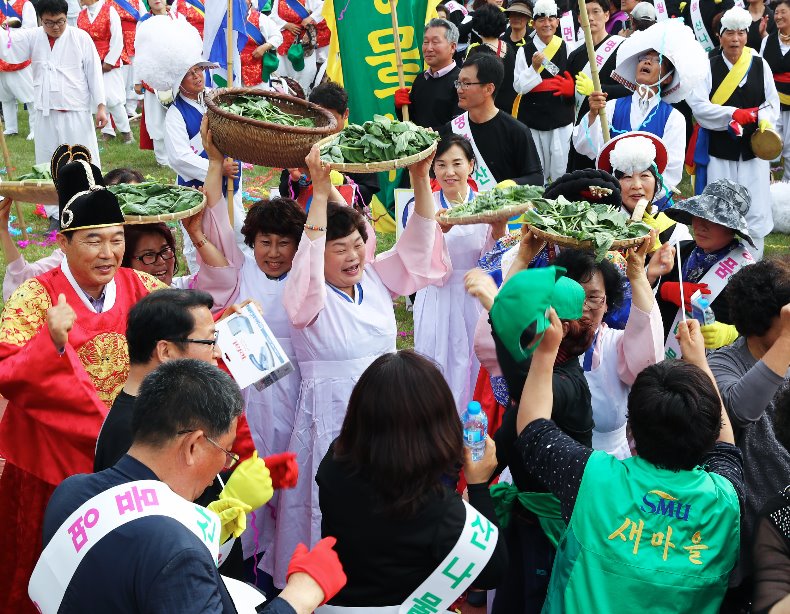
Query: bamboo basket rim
point(377, 167)
point(256, 123)
point(564, 241)
point(165, 217)
point(41, 191)
point(484, 217)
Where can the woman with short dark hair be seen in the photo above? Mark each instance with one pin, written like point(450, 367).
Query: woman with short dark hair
point(386, 485)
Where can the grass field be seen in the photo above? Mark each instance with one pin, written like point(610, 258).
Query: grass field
point(256, 180)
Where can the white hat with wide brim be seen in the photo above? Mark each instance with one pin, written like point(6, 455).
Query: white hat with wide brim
point(672, 40)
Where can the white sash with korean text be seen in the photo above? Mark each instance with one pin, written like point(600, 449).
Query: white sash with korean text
point(662, 14)
point(482, 176)
point(453, 6)
point(452, 577)
point(717, 277)
point(699, 26)
point(566, 28)
point(602, 55)
point(103, 514)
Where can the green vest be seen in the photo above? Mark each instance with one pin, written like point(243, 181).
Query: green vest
point(641, 537)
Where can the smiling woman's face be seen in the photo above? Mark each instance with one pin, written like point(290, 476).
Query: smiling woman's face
point(635, 187)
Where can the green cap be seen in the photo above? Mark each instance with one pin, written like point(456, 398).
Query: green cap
point(522, 307)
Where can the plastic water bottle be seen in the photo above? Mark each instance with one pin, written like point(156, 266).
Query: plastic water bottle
point(701, 309)
point(475, 429)
point(550, 67)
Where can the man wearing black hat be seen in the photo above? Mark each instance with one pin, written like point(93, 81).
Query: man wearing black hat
point(63, 359)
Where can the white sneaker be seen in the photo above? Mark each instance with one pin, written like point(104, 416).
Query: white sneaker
point(9, 133)
point(30, 137)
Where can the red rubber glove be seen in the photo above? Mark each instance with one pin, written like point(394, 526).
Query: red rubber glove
point(745, 116)
point(321, 564)
point(283, 469)
point(670, 291)
point(563, 85)
point(402, 97)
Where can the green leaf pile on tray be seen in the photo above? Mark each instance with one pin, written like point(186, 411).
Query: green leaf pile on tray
point(39, 172)
point(380, 140)
point(258, 107)
point(151, 198)
point(583, 221)
point(486, 202)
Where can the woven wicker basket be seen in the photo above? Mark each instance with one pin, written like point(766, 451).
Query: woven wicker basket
point(377, 167)
point(264, 143)
point(564, 241)
point(165, 217)
point(486, 217)
point(30, 191)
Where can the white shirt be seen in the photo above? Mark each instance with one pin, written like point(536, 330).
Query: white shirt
point(590, 142)
point(716, 116)
point(66, 77)
point(109, 289)
point(525, 77)
point(181, 156)
point(116, 34)
point(270, 30)
point(314, 7)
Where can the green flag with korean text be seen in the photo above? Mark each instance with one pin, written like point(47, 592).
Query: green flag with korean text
point(363, 37)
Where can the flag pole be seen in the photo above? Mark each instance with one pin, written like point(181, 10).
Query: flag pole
point(7, 159)
point(584, 20)
point(398, 57)
point(230, 45)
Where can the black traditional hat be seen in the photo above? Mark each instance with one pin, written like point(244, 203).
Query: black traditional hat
point(83, 200)
point(721, 202)
point(590, 184)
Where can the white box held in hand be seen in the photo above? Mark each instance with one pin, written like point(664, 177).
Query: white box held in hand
point(250, 350)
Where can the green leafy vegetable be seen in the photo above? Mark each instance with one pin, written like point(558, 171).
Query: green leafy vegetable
point(151, 198)
point(258, 107)
point(583, 221)
point(40, 172)
point(498, 199)
point(380, 140)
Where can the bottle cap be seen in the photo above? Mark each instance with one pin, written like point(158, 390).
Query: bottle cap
point(473, 407)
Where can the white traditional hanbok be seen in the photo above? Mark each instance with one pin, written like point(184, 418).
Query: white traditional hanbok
point(335, 338)
point(16, 77)
point(445, 316)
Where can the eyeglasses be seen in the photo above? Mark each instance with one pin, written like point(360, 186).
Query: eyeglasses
point(465, 85)
point(54, 24)
point(650, 58)
point(230, 458)
point(195, 72)
point(211, 342)
point(151, 257)
point(594, 302)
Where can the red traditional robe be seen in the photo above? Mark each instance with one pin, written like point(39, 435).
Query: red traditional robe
point(56, 405)
point(194, 16)
point(289, 15)
point(18, 7)
point(128, 26)
point(251, 68)
point(99, 31)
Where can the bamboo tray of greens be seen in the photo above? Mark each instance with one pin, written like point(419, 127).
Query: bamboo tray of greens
point(582, 225)
point(33, 187)
point(382, 144)
point(151, 202)
point(266, 128)
point(498, 205)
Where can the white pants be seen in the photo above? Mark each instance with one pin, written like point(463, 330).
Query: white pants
point(73, 127)
point(155, 124)
point(755, 176)
point(132, 97)
point(304, 76)
point(553, 147)
point(783, 128)
point(115, 93)
point(16, 86)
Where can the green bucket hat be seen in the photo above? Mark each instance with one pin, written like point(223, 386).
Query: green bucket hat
point(519, 314)
point(296, 56)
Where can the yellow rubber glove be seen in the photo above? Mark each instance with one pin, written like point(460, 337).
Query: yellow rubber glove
point(764, 125)
point(506, 183)
point(584, 84)
point(232, 517)
point(718, 334)
point(250, 483)
point(336, 177)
